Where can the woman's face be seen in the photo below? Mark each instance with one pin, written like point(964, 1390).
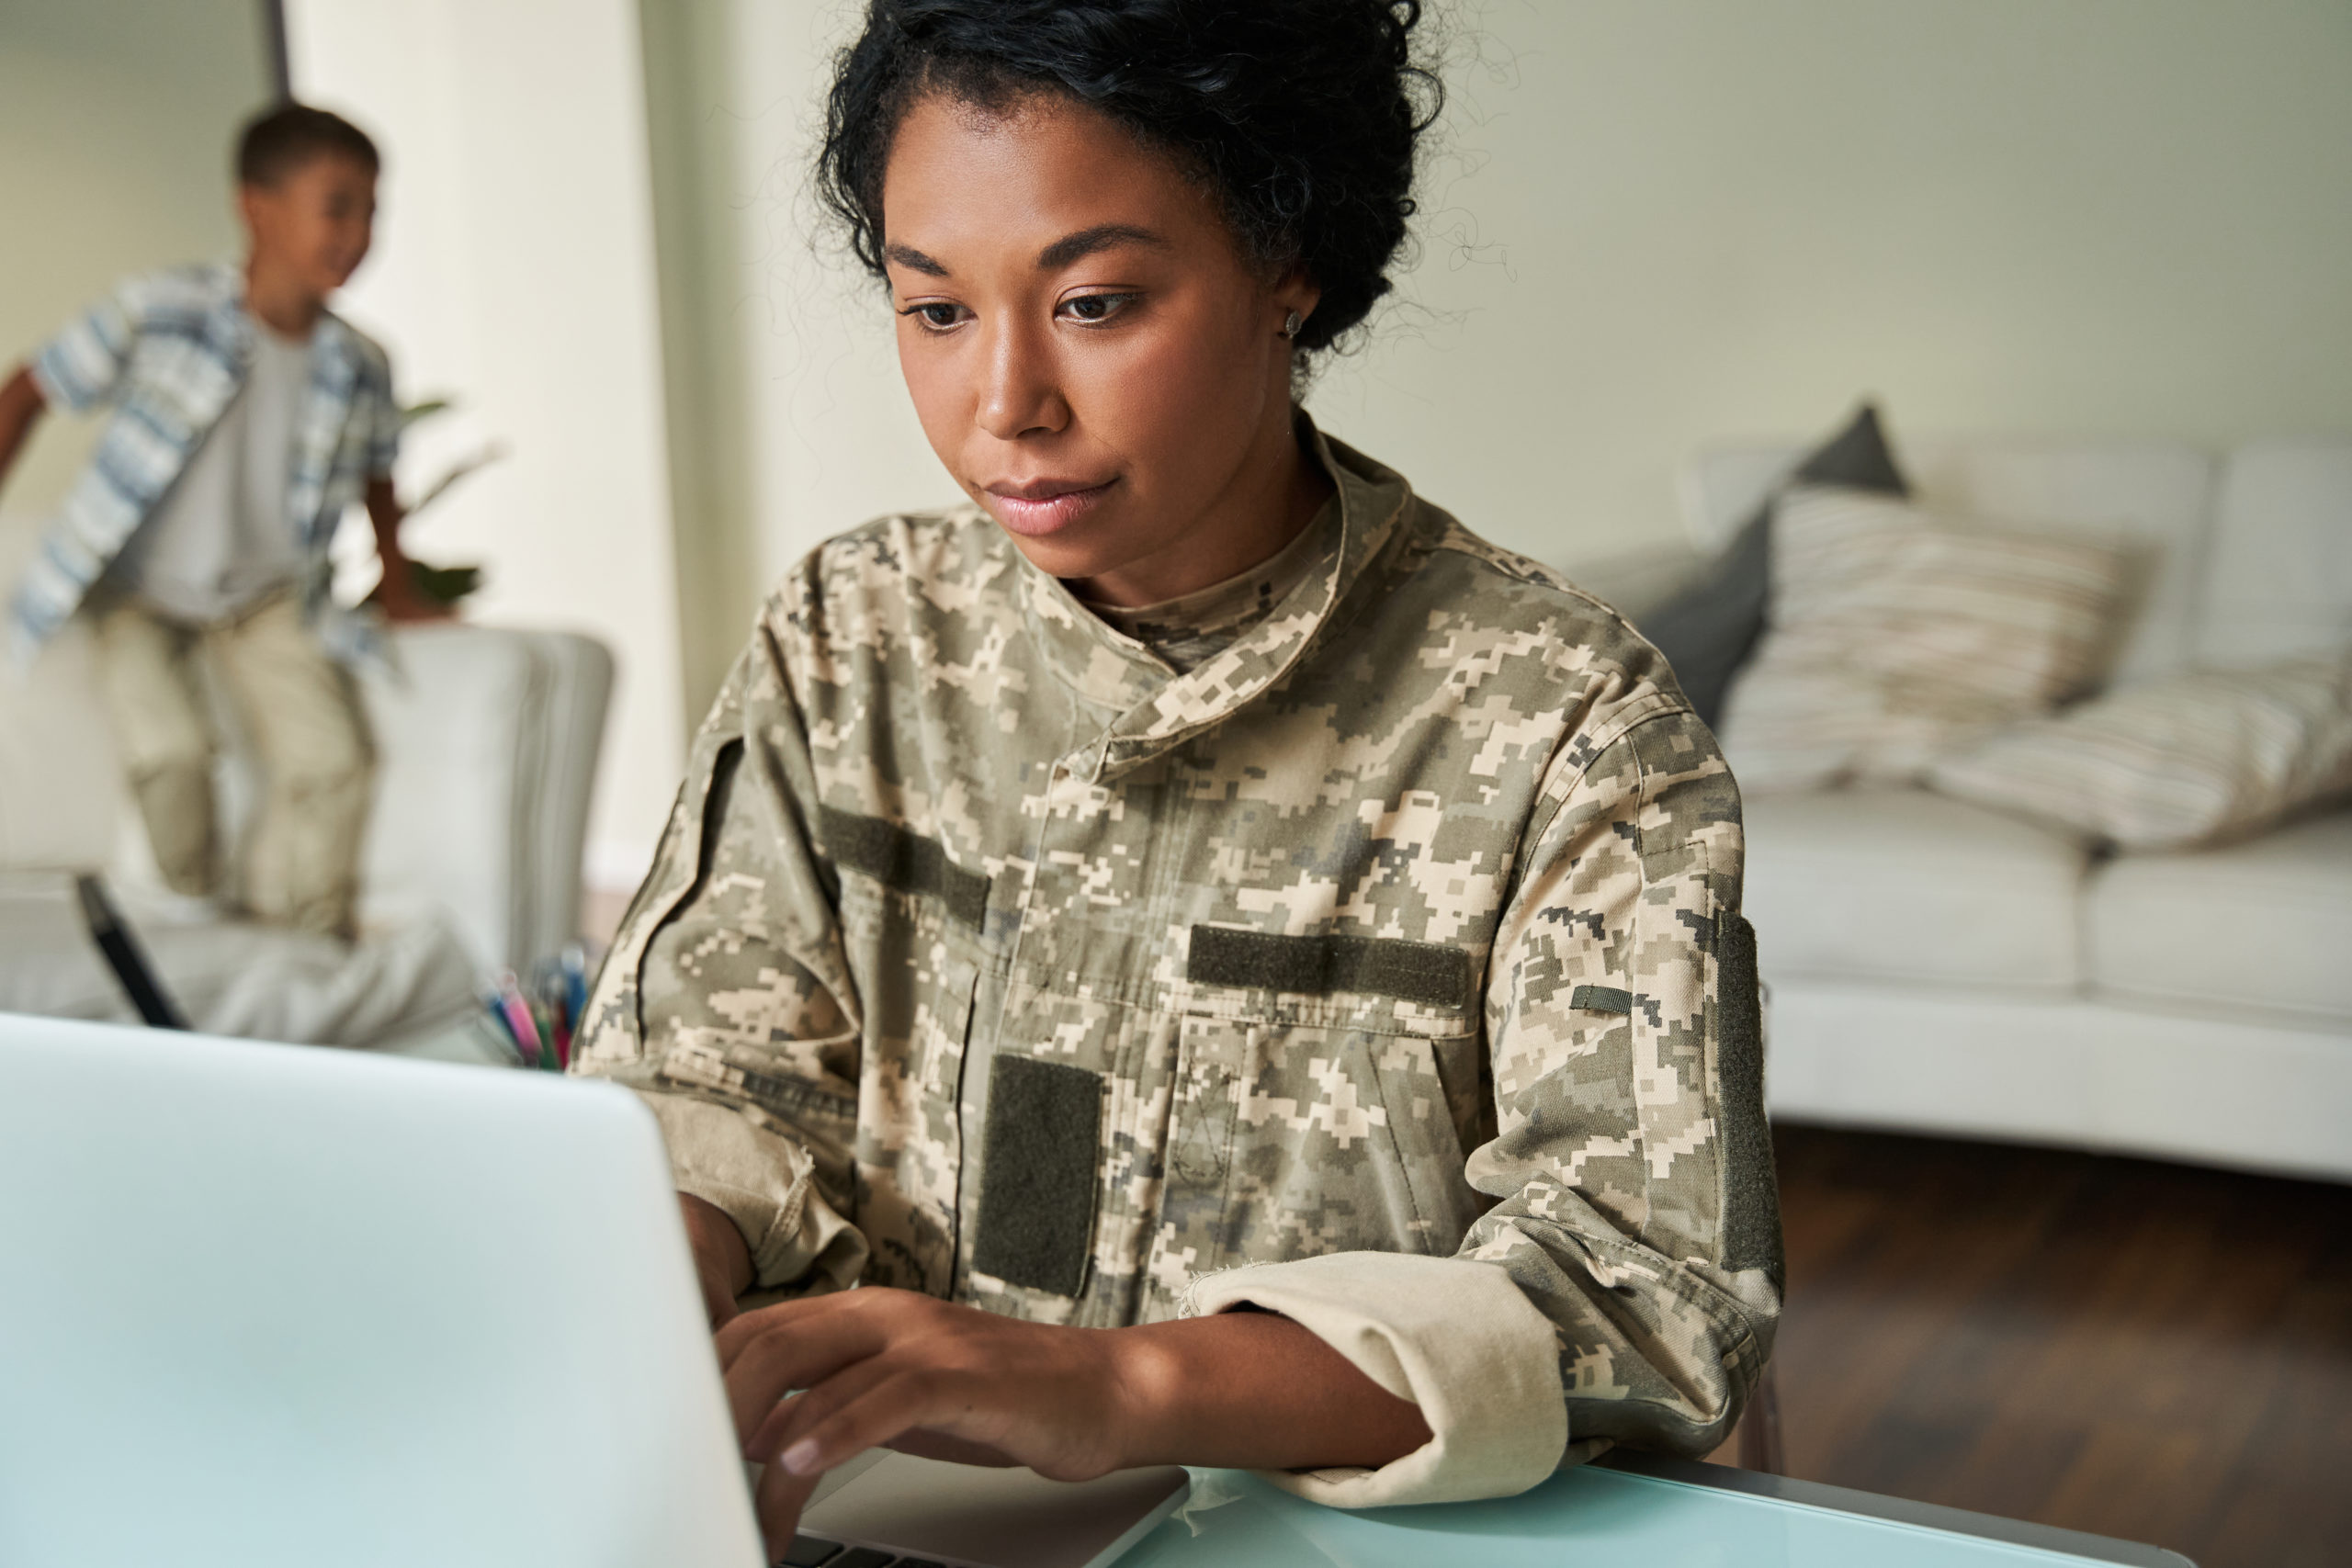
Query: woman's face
point(1089, 353)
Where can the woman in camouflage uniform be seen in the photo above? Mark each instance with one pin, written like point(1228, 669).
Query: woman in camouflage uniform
point(1240, 970)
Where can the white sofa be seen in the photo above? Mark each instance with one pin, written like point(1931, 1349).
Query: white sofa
point(488, 742)
point(1939, 967)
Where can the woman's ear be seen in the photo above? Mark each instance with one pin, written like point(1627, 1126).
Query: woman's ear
point(1294, 293)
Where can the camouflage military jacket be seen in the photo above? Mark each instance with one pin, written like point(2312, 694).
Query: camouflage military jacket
point(1384, 970)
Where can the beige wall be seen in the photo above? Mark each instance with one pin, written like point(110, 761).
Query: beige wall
point(1667, 222)
point(513, 271)
point(793, 424)
point(1653, 222)
point(116, 123)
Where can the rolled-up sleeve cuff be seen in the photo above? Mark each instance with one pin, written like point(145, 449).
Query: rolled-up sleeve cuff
point(767, 1184)
point(54, 376)
point(1453, 1334)
point(81, 363)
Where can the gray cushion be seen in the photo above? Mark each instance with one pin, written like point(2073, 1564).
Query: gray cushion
point(1708, 630)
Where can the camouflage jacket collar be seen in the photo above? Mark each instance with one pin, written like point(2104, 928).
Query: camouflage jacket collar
point(1147, 707)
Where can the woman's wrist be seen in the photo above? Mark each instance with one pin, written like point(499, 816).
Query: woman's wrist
point(1253, 1391)
point(722, 1257)
point(1147, 1410)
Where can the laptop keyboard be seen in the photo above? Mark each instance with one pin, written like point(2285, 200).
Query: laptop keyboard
point(815, 1551)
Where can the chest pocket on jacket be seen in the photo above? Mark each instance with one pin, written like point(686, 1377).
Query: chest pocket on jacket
point(1310, 1115)
point(917, 915)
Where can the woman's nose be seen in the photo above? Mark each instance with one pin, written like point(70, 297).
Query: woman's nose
point(1021, 395)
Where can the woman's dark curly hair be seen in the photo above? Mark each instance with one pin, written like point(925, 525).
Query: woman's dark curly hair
point(1300, 115)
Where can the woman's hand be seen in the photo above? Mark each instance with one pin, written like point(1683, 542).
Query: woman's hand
point(887, 1368)
point(897, 1369)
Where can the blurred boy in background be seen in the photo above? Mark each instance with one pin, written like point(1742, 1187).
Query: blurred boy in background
point(247, 419)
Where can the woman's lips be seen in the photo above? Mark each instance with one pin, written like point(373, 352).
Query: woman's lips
point(1037, 510)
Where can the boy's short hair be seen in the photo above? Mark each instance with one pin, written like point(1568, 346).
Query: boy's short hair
point(277, 141)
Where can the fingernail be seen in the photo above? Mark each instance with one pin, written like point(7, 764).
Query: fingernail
point(801, 1456)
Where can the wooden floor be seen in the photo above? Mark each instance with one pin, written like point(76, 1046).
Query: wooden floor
point(2152, 1351)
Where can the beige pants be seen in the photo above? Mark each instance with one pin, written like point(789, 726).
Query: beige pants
point(303, 713)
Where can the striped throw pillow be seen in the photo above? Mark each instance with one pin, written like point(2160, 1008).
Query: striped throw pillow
point(1896, 636)
point(2191, 759)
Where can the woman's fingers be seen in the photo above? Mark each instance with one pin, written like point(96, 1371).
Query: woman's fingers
point(779, 1502)
point(790, 1419)
point(869, 1305)
point(786, 1355)
point(895, 1368)
point(803, 1344)
point(896, 1401)
point(739, 1332)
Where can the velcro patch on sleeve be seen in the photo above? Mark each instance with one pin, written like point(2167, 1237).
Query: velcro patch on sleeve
point(1751, 1224)
point(1428, 972)
point(1037, 1174)
point(904, 863)
point(1602, 999)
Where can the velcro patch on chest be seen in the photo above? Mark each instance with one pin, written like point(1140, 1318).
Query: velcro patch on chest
point(1428, 973)
point(903, 861)
point(1038, 1175)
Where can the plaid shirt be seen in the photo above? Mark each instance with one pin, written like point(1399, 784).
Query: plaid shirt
point(170, 350)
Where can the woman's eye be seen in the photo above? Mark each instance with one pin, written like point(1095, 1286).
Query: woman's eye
point(1092, 308)
point(936, 315)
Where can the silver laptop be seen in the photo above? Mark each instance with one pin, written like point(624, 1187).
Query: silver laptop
point(271, 1305)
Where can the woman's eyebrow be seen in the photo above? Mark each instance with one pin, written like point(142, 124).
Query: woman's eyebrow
point(914, 260)
point(1086, 241)
point(1060, 254)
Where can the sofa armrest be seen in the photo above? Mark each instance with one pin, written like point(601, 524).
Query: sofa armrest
point(569, 739)
point(63, 799)
point(487, 742)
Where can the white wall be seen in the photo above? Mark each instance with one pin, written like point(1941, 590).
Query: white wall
point(1654, 222)
point(117, 118)
point(513, 270)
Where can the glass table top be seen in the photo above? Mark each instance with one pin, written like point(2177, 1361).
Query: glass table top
point(1631, 1511)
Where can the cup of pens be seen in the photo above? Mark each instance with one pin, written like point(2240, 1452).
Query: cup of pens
point(538, 1019)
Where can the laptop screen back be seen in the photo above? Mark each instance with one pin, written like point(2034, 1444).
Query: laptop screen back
point(271, 1305)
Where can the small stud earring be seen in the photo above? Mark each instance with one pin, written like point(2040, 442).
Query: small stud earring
point(1292, 322)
